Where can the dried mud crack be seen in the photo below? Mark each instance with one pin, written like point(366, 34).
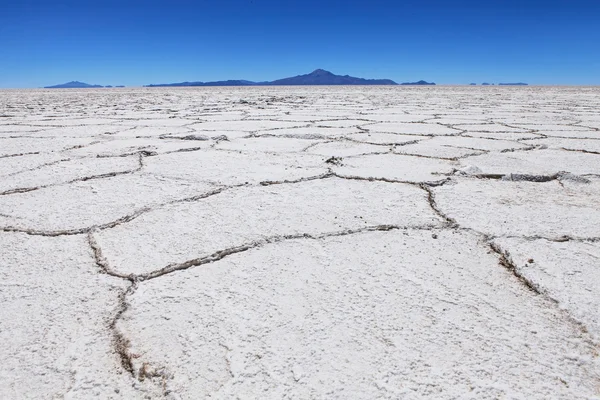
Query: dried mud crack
point(120, 342)
point(506, 262)
point(221, 254)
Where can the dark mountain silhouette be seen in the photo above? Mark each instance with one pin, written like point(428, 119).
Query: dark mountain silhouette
point(418, 83)
point(317, 77)
point(322, 77)
point(73, 85)
point(216, 83)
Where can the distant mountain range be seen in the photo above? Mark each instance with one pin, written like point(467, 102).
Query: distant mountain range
point(322, 77)
point(73, 85)
point(215, 83)
point(77, 85)
point(418, 83)
point(317, 77)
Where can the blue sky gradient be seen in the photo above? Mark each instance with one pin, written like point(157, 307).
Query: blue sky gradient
point(136, 42)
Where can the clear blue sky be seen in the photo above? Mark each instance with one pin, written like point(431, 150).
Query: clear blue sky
point(135, 42)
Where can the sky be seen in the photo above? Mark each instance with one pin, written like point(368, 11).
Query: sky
point(135, 42)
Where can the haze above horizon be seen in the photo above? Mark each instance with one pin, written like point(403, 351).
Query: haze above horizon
point(138, 42)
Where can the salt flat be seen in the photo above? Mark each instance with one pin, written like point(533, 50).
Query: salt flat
point(300, 243)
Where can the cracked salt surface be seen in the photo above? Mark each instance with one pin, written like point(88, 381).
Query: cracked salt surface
point(68, 171)
point(330, 242)
point(526, 209)
point(310, 317)
point(396, 167)
point(543, 161)
point(243, 215)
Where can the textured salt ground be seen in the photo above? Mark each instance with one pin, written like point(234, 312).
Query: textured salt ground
point(247, 126)
point(15, 165)
point(392, 117)
point(503, 135)
point(14, 129)
point(588, 145)
point(153, 131)
point(553, 127)
point(396, 167)
point(229, 134)
point(271, 144)
point(298, 118)
point(435, 150)
point(310, 132)
point(476, 143)
point(491, 127)
point(112, 148)
point(343, 123)
point(73, 122)
point(186, 231)
point(55, 311)
point(153, 122)
point(79, 131)
point(504, 208)
point(373, 315)
point(94, 202)
point(345, 149)
point(460, 119)
point(221, 116)
point(234, 168)
point(413, 128)
point(588, 134)
point(385, 138)
point(10, 146)
point(565, 271)
point(263, 267)
point(591, 123)
point(537, 162)
point(68, 171)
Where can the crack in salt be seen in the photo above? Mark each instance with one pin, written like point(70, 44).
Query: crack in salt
point(82, 179)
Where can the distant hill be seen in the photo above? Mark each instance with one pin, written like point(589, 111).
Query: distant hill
point(418, 83)
point(216, 83)
point(73, 85)
point(317, 77)
point(322, 77)
point(513, 84)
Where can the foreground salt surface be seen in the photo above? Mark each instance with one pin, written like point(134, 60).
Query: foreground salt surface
point(302, 242)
